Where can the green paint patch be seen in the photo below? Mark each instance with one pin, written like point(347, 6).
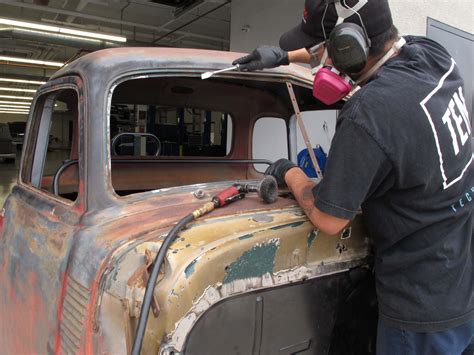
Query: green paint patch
point(253, 263)
point(190, 269)
point(288, 225)
point(311, 237)
point(246, 236)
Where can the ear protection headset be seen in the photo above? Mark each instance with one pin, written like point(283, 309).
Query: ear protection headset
point(348, 47)
point(348, 44)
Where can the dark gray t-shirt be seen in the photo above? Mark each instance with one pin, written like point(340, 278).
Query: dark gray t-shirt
point(402, 152)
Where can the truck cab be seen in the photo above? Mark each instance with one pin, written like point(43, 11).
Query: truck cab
point(147, 142)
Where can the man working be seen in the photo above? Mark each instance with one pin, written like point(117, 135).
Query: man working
point(402, 153)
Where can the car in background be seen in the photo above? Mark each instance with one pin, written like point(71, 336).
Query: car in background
point(17, 131)
point(7, 149)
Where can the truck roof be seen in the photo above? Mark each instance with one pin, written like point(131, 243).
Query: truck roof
point(114, 61)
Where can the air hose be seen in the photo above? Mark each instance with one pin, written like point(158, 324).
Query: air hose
point(145, 309)
point(267, 190)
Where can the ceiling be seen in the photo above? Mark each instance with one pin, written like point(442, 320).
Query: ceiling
point(175, 23)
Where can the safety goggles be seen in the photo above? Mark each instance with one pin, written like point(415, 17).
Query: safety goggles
point(315, 59)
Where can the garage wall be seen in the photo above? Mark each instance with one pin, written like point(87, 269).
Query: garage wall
point(410, 16)
point(263, 21)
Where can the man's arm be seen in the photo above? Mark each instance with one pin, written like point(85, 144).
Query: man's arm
point(301, 187)
point(299, 56)
point(267, 57)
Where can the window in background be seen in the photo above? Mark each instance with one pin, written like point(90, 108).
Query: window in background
point(269, 140)
point(157, 130)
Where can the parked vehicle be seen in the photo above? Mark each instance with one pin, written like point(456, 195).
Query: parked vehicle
point(7, 149)
point(83, 225)
point(17, 130)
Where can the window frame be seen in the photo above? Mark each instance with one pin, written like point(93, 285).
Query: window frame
point(29, 165)
point(150, 75)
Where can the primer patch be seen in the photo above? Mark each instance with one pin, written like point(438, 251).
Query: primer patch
point(253, 263)
point(311, 237)
point(190, 269)
point(288, 225)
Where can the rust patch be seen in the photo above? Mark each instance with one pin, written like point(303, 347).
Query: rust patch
point(141, 275)
point(20, 332)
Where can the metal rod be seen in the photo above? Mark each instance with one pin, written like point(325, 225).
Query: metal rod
point(307, 142)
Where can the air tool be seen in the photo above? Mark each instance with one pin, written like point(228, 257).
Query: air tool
point(267, 189)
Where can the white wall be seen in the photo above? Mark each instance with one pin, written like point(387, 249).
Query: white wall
point(410, 15)
point(268, 19)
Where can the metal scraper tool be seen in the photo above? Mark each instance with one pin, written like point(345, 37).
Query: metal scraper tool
point(208, 74)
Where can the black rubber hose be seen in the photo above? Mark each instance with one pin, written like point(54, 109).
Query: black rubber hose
point(150, 286)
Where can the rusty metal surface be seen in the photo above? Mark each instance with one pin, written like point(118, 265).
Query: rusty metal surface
point(108, 63)
point(218, 258)
point(34, 246)
point(73, 274)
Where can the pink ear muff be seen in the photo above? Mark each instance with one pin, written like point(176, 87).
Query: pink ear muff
point(330, 87)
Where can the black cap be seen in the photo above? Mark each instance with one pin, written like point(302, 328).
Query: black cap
point(376, 17)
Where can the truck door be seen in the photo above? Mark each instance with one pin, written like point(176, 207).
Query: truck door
point(40, 218)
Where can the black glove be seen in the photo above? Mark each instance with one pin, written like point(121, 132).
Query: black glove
point(278, 170)
point(264, 57)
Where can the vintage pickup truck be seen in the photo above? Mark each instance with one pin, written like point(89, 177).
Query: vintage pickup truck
point(144, 142)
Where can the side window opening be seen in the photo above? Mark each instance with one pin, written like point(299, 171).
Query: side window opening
point(269, 140)
point(320, 126)
point(55, 144)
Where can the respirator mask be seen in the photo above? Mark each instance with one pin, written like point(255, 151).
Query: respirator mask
point(348, 47)
point(330, 85)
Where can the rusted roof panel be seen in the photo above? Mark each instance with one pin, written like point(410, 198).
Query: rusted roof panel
point(110, 62)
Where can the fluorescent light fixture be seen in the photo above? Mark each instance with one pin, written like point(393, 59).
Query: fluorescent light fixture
point(22, 81)
point(15, 112)
point(31, 61)
point(16, 97)
point(2, 88)
point(13, 109)
point(52, 34)
point(15, 103)
point(62, 30)
point(18, 107)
